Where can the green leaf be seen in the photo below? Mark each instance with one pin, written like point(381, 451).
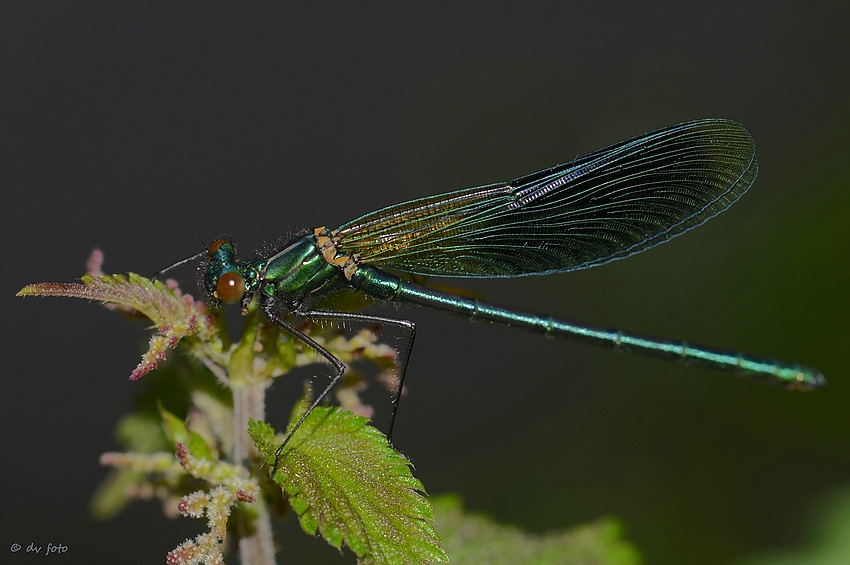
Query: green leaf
point(113, 493)
point(177, 432)
point(240, 369)
point(150, 297)
point(344, 480)
point(142, 433)
point(828, 539)
point(474, 539)
point(176, 316)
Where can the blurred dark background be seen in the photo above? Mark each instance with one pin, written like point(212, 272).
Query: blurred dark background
point(134, 126)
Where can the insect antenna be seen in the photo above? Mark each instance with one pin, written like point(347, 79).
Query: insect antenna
point(180, 262)
point(184, 261)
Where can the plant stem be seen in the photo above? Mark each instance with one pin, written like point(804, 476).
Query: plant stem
point(254, 531)
point(249, 401)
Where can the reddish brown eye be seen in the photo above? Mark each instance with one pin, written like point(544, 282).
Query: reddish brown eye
point(215, 245)
point(230, 288)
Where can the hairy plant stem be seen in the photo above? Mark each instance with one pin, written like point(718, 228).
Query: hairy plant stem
point(254, 532)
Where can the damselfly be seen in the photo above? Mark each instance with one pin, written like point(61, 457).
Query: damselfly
point(607, 205)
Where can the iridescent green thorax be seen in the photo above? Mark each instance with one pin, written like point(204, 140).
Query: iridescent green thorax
point(299, 270)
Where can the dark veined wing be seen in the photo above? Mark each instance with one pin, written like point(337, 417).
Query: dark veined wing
point(607, 205)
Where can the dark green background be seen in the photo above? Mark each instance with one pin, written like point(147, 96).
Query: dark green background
point(134, 126)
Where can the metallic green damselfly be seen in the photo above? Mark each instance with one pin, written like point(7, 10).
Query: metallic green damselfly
point(607, 205)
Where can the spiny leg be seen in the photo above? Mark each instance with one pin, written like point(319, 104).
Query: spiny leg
point(338, 365)
point(369, 319)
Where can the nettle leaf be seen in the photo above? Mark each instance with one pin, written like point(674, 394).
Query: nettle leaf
point(176, 316)
point(150, 297)
point(473, 539)
point(344, 480)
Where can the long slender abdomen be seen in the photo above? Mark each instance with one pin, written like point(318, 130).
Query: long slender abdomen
point(384, 286)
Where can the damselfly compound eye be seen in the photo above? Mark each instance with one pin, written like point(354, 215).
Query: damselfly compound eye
point(215, 245)
point(230, 287)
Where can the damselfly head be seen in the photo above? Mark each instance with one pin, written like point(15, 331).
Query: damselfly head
point(223, 279)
